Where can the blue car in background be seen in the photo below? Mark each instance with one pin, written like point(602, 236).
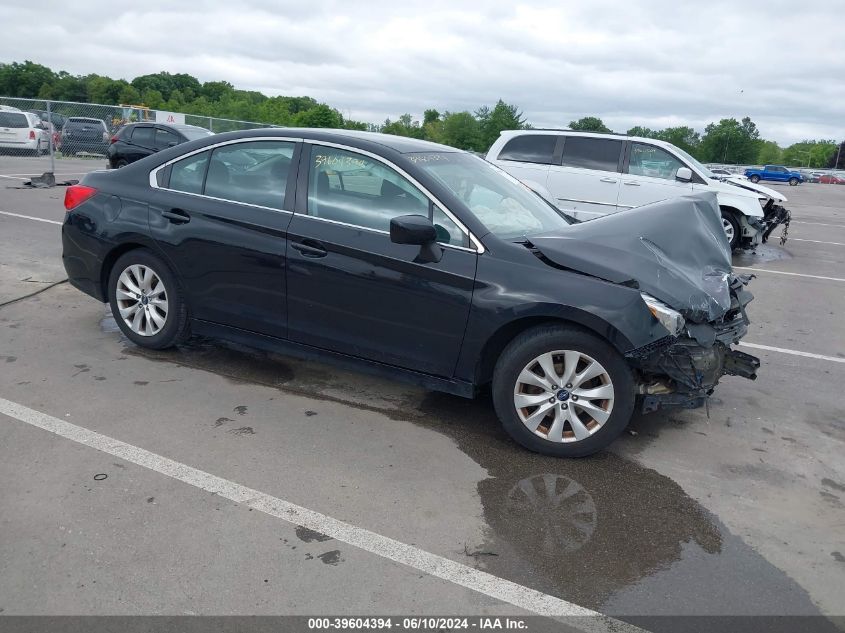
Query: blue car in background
point(774, 172)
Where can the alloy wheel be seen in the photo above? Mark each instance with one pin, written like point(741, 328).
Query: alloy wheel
point(142, 300)
point(729, 229)
point(564, 396)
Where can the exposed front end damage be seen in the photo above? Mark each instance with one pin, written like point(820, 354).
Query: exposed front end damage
point(774, 215)
point(682, 371)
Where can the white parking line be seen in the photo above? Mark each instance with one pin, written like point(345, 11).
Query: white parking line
point(794, 352)
point(432, 564)
point(29, 217)
point(798, 239)
point(839, 226)
point(783, 272)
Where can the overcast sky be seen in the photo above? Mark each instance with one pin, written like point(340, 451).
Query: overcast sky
point(631, 62)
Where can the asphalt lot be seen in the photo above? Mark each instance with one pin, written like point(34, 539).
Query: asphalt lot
point(739, 512)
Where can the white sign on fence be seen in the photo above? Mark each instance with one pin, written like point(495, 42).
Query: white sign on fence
point(176, 118)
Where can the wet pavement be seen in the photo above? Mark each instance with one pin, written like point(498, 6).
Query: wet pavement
point(739, 510)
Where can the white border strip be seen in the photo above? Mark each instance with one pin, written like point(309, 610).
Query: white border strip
point(432, 564)
point(783, 272)
point(29, 217)
point(794, 352)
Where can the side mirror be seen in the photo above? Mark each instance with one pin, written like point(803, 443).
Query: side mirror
point(417, 230)
point(412, 229)
point(684, 174)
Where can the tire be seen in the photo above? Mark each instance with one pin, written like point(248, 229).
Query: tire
point(793, 182)
point(731, 226)
point(755, 179)
point(562, 345)
point(160, 325)
point(120, 163)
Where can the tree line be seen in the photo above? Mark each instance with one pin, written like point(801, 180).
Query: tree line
point(728, 141)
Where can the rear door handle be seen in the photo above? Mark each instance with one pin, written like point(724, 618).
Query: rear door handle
point(608, 179)
point(631, 183)
point(314, 249)
point(176, 216)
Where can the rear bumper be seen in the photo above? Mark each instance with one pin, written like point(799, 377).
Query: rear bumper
point(83, 267)
point(28, 144)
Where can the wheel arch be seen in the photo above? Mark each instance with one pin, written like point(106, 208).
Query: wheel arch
point(112, 256)
point(500, 338)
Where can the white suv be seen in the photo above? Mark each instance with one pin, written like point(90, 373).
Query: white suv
point(589, 175)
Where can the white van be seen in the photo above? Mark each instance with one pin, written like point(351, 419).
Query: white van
point(589, 174)
point(23, 131)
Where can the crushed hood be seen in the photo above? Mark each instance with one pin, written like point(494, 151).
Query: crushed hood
point(744, 183)
point(675, 250)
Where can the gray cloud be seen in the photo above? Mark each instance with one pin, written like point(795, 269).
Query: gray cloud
point(646, 62)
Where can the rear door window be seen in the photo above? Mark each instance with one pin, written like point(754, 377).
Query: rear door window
point(592, 153)
point(530, 148)
point(254, 172)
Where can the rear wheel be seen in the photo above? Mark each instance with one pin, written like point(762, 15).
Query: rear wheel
point(731, 226)
point(146, 300)
point(755, 178)
point(120, 163)
point(561, 391)
point(793, 182)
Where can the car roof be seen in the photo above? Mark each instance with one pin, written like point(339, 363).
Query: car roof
point(84, 118)
point(355, 138)
point(568, 132)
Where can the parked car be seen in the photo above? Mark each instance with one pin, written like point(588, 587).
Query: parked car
point(84, 134)
point(832, 179)
point(57, 120)
point(589, 175)
point(420, 262)
point(137, 140)
point(777, 173)
point(23, 131)
point(721, 172)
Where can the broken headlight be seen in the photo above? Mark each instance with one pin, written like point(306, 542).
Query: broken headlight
point(669, 318)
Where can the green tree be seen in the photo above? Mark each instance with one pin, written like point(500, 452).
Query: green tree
point(404, 126)
point(730, 141)
point(319, 116)
point(641, 131)
point(683, 137)
point(769, 153)
point(810, 153)
point(491, 123)
point(461, 130)
point(589, 124)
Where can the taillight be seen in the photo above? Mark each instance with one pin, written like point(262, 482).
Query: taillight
point(114, 139)
point(76, 195)
point(32, 135)
point(105, 136)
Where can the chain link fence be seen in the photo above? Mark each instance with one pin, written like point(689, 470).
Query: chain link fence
point(47, 131)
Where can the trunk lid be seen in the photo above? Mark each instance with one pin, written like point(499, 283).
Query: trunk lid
point(675, 250)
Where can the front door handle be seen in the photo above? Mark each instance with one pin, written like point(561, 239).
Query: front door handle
point(314, 249)
point(176, 216)
point(608, 179)
point(631, 183)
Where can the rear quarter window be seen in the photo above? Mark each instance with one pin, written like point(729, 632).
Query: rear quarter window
point(530, 148)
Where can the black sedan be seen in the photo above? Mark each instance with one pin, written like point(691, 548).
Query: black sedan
point(138, 140)
point(419, 262)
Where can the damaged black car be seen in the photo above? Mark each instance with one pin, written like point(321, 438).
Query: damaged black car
point(417, 262)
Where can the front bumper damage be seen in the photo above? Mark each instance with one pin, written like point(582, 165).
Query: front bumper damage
point(682, 371)
point(774, 215)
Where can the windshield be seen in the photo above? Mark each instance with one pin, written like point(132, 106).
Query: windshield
point(505, 206)
point(13, 119)
point(701, 168)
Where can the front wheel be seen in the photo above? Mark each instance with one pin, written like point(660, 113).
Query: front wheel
point(146, 300)
point(793, 182)
point(561, 391)
point(731, 227)
point(755, 179)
